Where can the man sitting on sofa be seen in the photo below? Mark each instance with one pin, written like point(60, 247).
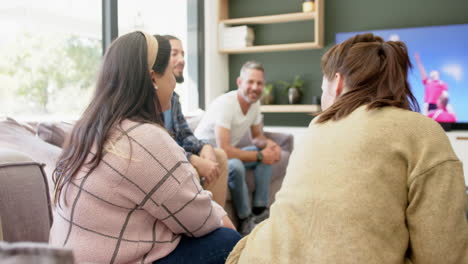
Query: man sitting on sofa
point(210, 163)
point(226, 121)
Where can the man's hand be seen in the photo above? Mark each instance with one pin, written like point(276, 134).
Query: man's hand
point(275, 147)
point(277, 151)
point(270, 156)
point(260, 143)
point(271, 144)
point(207, 152)
point(205, 168)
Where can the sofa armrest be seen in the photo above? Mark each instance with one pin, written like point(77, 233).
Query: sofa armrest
point(24, 198)
point(30, 252)
point(284, 140)
point(1, 229)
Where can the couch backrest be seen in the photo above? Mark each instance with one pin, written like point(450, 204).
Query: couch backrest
point(24, 199)
point(16, 136)
point(54, 133)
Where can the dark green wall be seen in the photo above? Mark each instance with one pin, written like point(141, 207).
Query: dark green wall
point(340, 16)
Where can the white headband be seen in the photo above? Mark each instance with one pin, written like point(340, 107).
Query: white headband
point(152, 47)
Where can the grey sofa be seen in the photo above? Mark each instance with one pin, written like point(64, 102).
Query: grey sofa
point(25, 212)
point(25, 207)
point(34, 253)
point(42, 142)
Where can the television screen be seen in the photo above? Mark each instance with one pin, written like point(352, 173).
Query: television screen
point(439, 80)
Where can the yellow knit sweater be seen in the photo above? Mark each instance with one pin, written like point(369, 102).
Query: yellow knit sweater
point(380, 186)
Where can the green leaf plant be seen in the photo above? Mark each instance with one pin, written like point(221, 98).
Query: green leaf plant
point(297, 83)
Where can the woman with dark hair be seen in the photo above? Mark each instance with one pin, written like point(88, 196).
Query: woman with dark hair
point(125, 192)
point(373, 181)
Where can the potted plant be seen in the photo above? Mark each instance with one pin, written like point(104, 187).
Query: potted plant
point(294, 89)
point(267, 94)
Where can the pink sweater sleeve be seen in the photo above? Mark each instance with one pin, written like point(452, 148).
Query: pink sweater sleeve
point(173, 195)
point(195, 212)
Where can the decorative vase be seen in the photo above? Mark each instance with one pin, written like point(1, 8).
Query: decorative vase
point(294, 95)
point(308, 6)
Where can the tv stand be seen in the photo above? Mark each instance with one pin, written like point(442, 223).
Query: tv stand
point(446, 126)
point(459, 141)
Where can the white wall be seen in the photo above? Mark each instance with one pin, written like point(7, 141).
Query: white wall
point(216, 64)
point(297, 132)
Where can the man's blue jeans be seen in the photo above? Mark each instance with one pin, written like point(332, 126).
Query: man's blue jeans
point(212, 248)
point(238, 185)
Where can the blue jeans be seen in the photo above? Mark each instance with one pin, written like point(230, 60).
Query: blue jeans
point(212, 248)
point(238, 186)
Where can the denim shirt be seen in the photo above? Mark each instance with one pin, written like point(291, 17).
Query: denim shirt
point(180, 131)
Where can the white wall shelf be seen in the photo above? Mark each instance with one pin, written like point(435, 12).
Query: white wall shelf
point(318, 30)
point(271, 48)
point(290, 108)
point(282, 18)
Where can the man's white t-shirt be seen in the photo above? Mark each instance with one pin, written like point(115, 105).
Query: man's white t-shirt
point(225, 111)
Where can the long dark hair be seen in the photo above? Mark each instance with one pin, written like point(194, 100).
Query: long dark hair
point(375, 74)
point(124, 90)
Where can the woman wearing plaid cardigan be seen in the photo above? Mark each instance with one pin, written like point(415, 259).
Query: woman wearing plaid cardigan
point(125, 192)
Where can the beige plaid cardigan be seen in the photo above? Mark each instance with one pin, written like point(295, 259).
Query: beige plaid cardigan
point(136, 204)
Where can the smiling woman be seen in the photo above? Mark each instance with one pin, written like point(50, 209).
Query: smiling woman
point(49, 53)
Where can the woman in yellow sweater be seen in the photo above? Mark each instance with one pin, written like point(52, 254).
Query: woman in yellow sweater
point(373, 181)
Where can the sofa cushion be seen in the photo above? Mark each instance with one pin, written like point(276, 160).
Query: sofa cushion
point(54, 133)
point(14, 136)
point(38, 253)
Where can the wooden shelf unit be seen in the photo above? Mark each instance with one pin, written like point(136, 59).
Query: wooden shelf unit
point(317, 16)
point(290, 108)
point(271, 48)
point(283, 18)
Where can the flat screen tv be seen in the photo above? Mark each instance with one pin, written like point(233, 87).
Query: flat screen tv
point(439, 78)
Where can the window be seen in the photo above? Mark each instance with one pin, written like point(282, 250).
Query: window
point(50, 51)
point(164, 18)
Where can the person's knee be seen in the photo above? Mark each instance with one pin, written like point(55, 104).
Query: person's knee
point(222, 160)
point(236, 168)
point(221, 156)
point(229, 237)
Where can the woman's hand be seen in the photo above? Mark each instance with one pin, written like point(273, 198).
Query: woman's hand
point(207, 152)
point(228, 223)
point(205, 168)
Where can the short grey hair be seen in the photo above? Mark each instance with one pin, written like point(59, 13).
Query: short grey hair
point(251, 65)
